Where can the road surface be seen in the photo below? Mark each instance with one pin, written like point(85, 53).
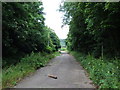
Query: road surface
point(69, 75)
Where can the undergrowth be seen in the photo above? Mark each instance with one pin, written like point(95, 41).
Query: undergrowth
point(14, 73)
point(104, 73)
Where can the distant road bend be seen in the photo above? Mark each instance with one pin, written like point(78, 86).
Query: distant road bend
point(68, 71)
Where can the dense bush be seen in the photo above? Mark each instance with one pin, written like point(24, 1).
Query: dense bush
point(14, 73)
point(104, 73)
point(24, 31)
point(93, 27)
point(94, 31)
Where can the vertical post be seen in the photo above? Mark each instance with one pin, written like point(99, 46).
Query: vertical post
point(1, 45)
point(102, 52)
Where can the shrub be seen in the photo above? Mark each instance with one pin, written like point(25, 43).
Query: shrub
point(14, 73)
point(103, 72)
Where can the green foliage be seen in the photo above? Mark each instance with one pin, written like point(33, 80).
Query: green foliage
point(24, 31)
point(49, 49)
point(104, 73)
point(14, 73)
point(63, 49)
point(55, 40)
point(94, 30)
point(63, 42)
point(21, 28)
point(93, 27)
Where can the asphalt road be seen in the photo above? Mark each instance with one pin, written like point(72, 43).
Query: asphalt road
point(69, 75)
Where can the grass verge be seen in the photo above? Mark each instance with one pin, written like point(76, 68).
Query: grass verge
point(104, 73)
point(11, 75)
point(63, 49)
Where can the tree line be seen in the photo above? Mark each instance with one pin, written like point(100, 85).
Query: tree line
point(93, 27)
point(24, 31)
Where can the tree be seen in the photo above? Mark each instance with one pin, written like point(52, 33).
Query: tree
point(94, 27)
point(24, 30)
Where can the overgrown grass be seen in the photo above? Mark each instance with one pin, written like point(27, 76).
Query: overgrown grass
point(63, 49)
point(104, 73)
point(11, 75)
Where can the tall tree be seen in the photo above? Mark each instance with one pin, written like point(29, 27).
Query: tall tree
point(24, 30)
point(94, 27)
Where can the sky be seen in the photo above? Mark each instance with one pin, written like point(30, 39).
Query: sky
point(54, 18)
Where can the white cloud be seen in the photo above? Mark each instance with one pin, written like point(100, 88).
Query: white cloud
point(54, 17)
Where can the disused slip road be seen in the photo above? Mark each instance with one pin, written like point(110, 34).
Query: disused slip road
point(69, 75)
